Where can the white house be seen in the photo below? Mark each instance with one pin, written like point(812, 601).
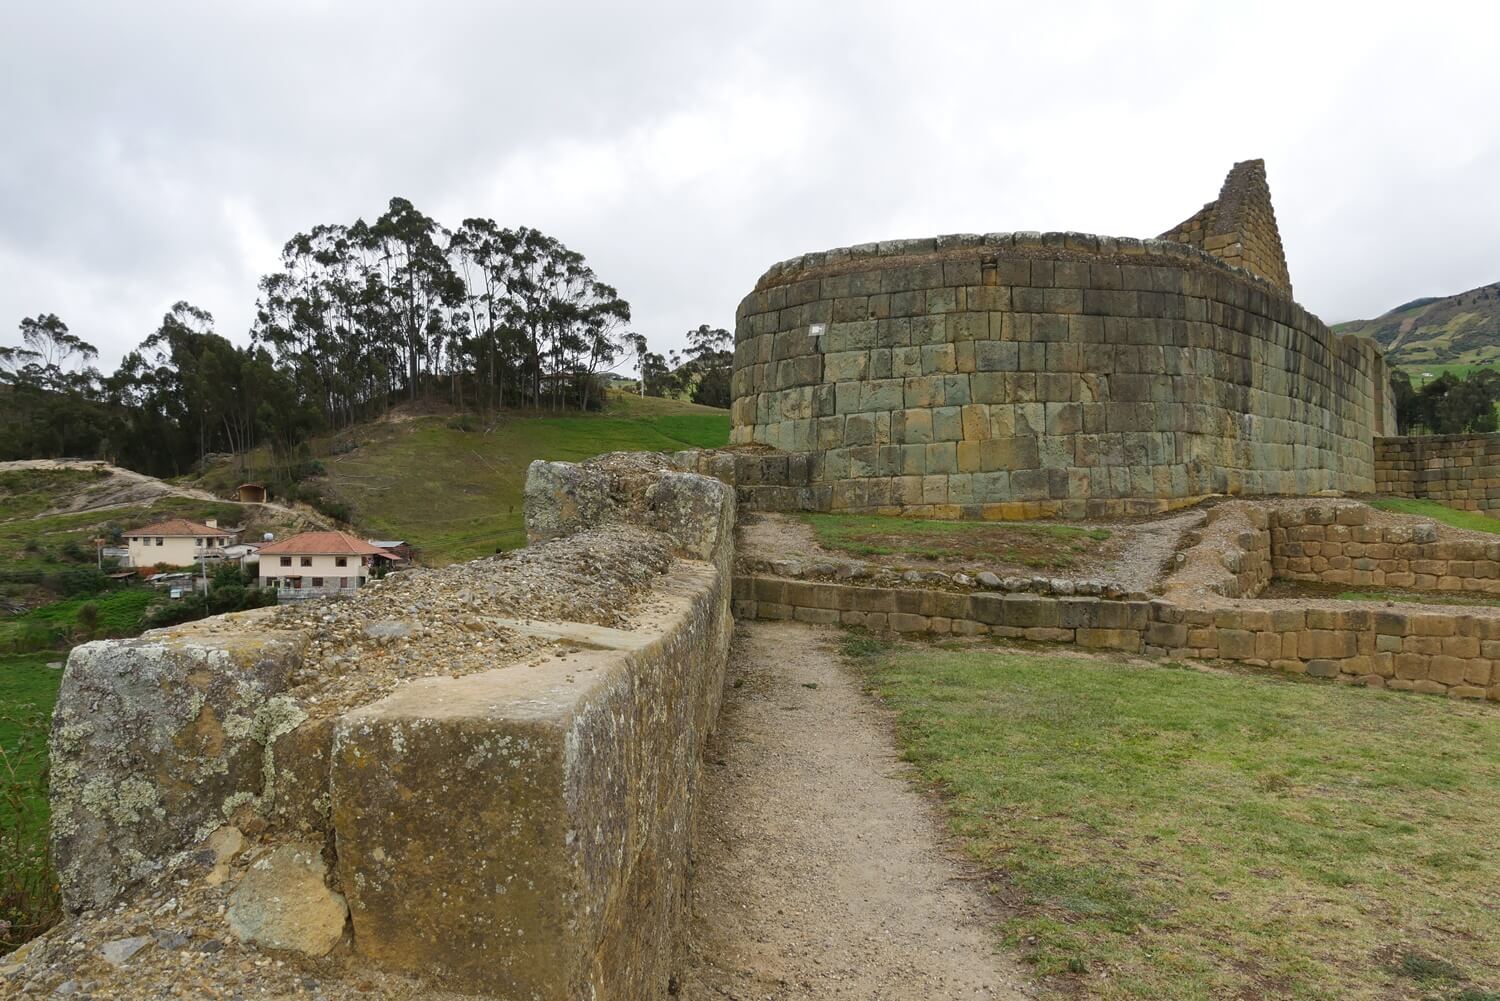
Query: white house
point(177, 543)
point(317, 564)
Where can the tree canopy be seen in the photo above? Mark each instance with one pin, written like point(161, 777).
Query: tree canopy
point(358, 316)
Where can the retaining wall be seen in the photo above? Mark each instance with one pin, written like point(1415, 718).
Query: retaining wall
point(1420, 650)
point(1209, 609)
point(1459, 470)
point(1350, 551)
point(1017, 375)
point(514, 822)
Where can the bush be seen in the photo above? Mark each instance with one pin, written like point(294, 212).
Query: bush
point(81, 583)
point(335, 508)
point(32, 637)
point(88, 618)
point(171, 613)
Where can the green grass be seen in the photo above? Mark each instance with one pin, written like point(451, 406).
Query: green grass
point(1019, 544)
point(118, 613)
point(1473, 521)
point(28, 688)
point(1158, 832)
point(28, 890)
point(457, 495)
point(28, 492)
point(1420, 597)
point(1419, 372)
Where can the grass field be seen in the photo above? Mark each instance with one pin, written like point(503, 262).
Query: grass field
point(1473, 521)
point(1420, 373)
point(116, 613)
point(457, 494)
point(1037, 546)
point(28, 896)
point(1159, 832)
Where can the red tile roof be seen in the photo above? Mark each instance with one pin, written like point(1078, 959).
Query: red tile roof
point(321, 544)
point(177, 528)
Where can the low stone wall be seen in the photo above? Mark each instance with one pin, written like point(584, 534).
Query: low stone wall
point(1460, 470)
point(1418, 649)
point(512, 801)
point(1209, 607)
point(1338, 546)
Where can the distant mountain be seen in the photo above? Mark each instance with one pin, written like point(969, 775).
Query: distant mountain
point(1451, 330)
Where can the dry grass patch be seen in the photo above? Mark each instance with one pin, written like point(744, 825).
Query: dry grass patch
point(985, 545)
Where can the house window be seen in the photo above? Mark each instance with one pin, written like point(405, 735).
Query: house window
point(317, 582)
point(307, 561)
point(159, 540)
point(198, 543)
point(341, 561)
point(270, 582)
point(286, 561)
point(343, 582)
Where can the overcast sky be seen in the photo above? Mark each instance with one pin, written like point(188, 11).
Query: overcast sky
point(151, 152)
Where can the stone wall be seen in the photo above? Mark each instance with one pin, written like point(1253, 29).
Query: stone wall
point(1459, 470)
point(1027, 375)
point(1209, 607)
point(1339, 547)
point(1405, 649)
point(508, 769)
point(1239, 227)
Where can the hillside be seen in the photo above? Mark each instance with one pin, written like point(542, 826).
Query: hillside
point(452, 485)
point(51, 511)
point(1454, 331)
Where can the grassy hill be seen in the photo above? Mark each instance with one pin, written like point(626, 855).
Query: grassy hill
point(452, 484)
point(1446, 333)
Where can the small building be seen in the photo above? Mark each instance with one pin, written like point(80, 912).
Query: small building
point(242, 552)
point(176, 543)
point(252, 493)
point(317, 564)
point(398, 550)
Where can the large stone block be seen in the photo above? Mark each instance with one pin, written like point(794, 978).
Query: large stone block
point(157, 740)
point(559, 872)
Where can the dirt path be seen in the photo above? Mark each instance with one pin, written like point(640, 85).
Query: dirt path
point(818, 871)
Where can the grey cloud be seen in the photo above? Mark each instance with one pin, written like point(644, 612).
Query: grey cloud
point(164, 151)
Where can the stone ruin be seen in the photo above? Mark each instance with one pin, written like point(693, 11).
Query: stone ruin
point(483, 778)
point(1022, 375)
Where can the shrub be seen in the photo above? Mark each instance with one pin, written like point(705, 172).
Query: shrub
point(32, 637)
point(88, 618)
point(81, 582)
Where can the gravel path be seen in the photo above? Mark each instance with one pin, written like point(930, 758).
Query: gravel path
point(818, 872)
